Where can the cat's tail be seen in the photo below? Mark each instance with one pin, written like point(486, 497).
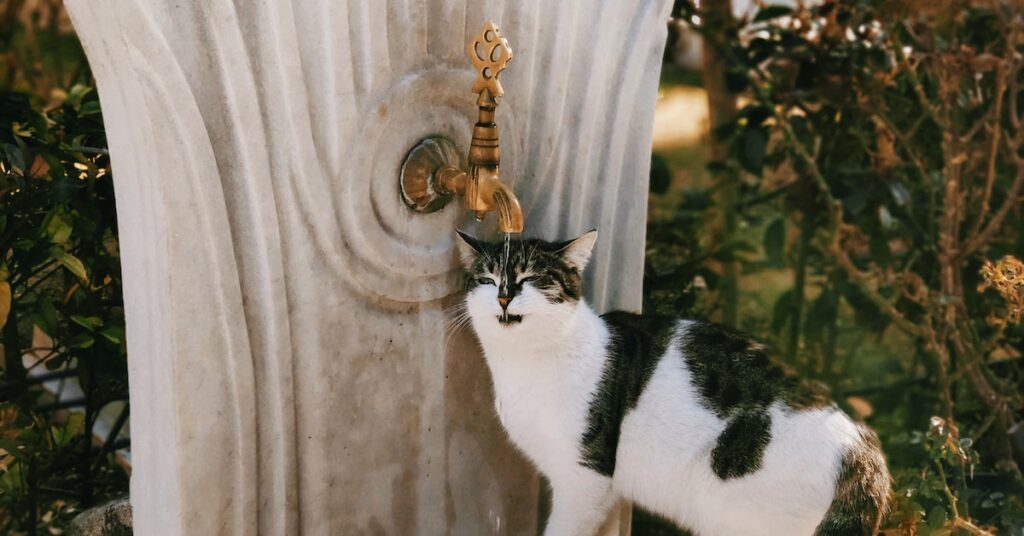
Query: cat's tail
point(863, 491)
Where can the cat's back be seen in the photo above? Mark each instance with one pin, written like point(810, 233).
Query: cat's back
point(721, 438)
point(733, 370)
point(726, 368)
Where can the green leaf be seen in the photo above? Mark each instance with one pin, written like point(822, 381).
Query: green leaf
point(772, 11)
point(45, 316)
point(114, 334)
point(73, 427)
point(14, 154)
point(11, 447)
point(72, 263)
point(56, 168)
point(755, 147)
point(58, 226)
point(77, 93)
point(87, 322)
point(82, 340)
point(936, 517)
point(24, 244)
point(89, 108)
point(12, 479)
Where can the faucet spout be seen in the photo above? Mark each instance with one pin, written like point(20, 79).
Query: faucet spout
point(484, 192)
point(503, 201)
point(510, 214)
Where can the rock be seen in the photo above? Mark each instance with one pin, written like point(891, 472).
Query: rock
point(111, 519)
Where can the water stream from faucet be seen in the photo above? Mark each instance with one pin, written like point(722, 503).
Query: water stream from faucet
point(503, 282)
point(505, 253)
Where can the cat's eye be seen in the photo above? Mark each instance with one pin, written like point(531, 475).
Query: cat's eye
point(484, 281)
point(529, 279)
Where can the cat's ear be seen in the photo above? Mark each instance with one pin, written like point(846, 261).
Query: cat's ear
point(469, 248)
point(577, 252)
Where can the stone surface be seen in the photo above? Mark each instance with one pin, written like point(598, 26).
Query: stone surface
point(111, 519)
point(289, 362)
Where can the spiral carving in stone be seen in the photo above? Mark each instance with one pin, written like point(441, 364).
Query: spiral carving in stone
point(286, 332)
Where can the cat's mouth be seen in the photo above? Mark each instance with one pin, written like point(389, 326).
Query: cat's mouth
point(508, 319)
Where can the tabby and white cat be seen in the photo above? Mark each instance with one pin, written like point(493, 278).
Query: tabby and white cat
point(685, 418)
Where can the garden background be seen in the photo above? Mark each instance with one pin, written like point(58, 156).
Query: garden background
point(844, 181)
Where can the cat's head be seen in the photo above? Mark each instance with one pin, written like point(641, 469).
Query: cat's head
point(532, 288)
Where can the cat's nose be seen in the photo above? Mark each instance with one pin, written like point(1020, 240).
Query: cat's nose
point(503, 301)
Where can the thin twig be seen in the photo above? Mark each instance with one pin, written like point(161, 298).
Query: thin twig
point(997, 131)
point(1012, 200)
point(916, 84)
point(863, 281)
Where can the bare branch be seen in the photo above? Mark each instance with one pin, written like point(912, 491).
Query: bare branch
point(862, 279)
point(990, 174)
point(915, 82)
point(1013, 198)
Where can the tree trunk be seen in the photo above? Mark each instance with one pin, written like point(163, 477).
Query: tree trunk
point(722, 107)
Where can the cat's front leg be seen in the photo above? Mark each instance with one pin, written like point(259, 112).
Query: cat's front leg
point(580, 503)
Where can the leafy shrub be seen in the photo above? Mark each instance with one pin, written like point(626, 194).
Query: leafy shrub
point(59, 274)
point(887, 139)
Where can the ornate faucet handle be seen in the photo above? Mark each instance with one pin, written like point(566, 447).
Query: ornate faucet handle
point(490, 54)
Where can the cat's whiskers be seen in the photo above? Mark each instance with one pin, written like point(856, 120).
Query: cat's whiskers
point(457, 320)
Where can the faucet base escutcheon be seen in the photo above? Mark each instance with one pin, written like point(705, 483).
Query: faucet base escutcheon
point(419, 179)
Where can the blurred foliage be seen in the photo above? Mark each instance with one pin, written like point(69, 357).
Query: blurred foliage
point(879, 155)
point(40, 55)
point(60, 283)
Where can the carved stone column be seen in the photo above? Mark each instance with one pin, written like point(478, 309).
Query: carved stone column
point(290, 371)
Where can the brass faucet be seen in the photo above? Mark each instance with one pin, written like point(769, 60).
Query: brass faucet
point(431, 174)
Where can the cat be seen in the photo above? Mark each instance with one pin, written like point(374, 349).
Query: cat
point(685, 418)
